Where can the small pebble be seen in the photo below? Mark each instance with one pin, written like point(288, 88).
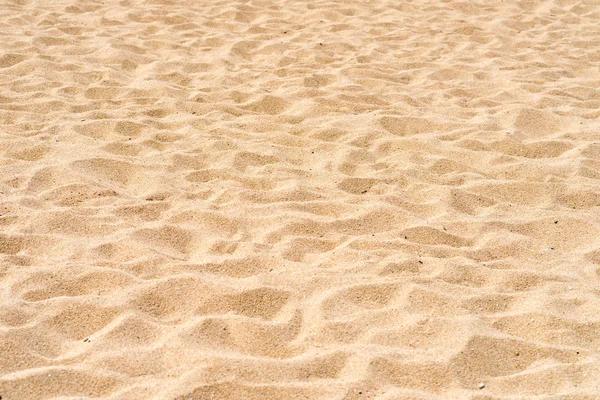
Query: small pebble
point(481, 385)
point(551, 247)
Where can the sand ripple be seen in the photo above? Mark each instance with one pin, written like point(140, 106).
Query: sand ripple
point(299, 200)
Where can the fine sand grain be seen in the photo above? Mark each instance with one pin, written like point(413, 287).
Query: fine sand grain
point(269, 199)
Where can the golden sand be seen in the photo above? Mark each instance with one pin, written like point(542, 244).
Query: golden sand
point(299, 199)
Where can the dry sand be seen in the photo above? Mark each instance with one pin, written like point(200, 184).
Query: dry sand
point(299, 199)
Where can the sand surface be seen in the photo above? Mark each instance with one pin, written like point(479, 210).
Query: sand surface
point(299, 199)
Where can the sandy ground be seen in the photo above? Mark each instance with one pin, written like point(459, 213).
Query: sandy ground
point(299, 199)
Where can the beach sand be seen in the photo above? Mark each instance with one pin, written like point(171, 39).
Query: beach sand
point(299, 199)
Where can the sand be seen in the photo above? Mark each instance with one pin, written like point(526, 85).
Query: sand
point(299, 199)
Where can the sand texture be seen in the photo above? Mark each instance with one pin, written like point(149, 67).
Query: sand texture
point(269, 199)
